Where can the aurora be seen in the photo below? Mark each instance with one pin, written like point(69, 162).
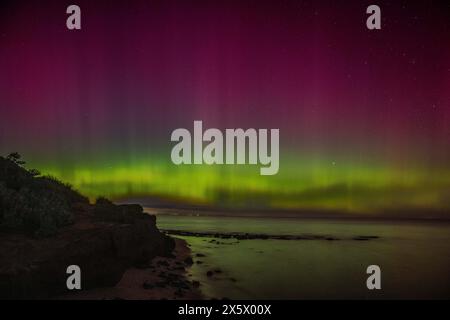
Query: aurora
point(364, 115)
point(213, 153)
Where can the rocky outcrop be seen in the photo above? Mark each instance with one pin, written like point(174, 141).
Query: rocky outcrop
point(46, 226)
point(33, 268)
point(262, 236)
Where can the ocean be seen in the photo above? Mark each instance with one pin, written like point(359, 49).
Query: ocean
point(414, 258)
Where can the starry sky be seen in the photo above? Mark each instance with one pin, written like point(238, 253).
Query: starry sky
point(364, 116)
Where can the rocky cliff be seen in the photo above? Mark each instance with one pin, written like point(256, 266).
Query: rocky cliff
point(35, 268)
point(103, 239)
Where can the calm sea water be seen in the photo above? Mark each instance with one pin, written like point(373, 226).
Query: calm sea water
point(414, 258)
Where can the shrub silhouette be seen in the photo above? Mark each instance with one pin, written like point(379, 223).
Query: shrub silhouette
point(16, 158)
point(34, 172)
point(31, 204)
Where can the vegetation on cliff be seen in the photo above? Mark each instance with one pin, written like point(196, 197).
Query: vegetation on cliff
point(39, 205)
point(46, 226)
point(32, 203)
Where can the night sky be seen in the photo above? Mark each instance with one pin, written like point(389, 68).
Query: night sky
point(364, 116)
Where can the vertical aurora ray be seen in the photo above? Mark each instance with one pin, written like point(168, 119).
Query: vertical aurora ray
point(364, 117)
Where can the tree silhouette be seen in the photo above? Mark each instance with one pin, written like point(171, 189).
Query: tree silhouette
point(16, 158)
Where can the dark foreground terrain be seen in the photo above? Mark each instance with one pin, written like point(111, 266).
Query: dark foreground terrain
point(46, 226)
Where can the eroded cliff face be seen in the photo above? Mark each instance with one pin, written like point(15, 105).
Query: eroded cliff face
point(35, 268)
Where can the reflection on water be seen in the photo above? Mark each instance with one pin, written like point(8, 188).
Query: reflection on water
point(414, 258)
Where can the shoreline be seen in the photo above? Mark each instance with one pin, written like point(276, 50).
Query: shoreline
point(262, 236)
point(162, 278)
point(420, 216)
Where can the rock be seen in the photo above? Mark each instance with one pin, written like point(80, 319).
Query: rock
point(179, 293)
point(33, 268)
point(361, 239)
point(147, 286)
point(366, 237)
point(189, 261)
point(160, 284)
point(162, 263)
point(252, 236)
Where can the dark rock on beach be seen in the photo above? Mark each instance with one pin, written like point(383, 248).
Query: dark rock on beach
point(365, 238)
point(256, 236)
point(147, 286)
point(163, 263)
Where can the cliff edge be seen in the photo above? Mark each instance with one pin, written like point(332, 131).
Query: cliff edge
point(46, 226)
